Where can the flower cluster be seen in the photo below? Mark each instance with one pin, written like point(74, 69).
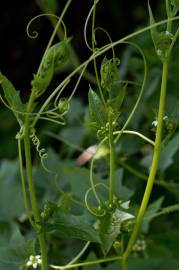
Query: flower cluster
point(155, 122)
point(140, 245)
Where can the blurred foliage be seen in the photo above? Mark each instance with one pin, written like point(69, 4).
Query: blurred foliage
point(64, 190)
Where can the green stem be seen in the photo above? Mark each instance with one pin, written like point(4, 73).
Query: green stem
point(112, 159)
point(87, 263)
point(29, 174)
point(132, 132)
point(169, 15)
point(54, 33)
point(33, 195)
point(153, 169)
point(93, 48)
point(24, 193)
point(27, 127)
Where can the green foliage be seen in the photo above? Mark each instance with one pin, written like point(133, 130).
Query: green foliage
point(68, 204)
point(72, 226)
point(13, 98)
point(150, 214)
point(55, 57)
point(109, 72)
point(161, 40)
point(97, 110)
point(63, 106)
point(15, 250)
point(168, 153)
point(10, 196)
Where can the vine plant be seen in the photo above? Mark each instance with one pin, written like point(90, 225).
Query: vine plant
point(115, 226)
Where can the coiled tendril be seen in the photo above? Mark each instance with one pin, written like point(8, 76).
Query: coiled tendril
point(36, 142)
point(99, 212)
point(34, 33)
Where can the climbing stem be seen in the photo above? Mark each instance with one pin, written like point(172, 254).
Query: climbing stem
point(112, 159)
point(33, 194)
point(24, 193)
point(93, 48)
point(153, 169)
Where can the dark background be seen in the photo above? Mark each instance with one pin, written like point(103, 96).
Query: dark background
point(20, 55)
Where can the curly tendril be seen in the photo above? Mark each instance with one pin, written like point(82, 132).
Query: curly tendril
point(98, 213)
point(36, 142)
point(41, 151)
point(20, 134)
point(108, 35)
point(86, 25)
point(35, 34)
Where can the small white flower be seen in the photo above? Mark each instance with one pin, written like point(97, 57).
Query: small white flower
point(154, 123)
point(140, 245)
point(34, 261)
point(122, 216)
point(125, 205)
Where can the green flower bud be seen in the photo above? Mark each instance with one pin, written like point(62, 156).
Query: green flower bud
point(63, 106)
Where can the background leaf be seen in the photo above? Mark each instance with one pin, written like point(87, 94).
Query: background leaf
point(74, 226)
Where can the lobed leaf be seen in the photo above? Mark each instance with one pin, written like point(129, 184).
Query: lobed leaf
point(12, 96)
point(109, 72)
point(98, 112)
point(150, 213)
point(16, 251)
point(55, 57)
point(161, 40)
point(167, 154)
point(73, 226)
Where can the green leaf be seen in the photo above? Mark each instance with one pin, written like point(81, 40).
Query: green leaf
point(122, 191)
point(110, 226)
point(161, 40)
point(150, 213)
point(120, 98)
point(98, 113)
point(16, 251)
point(10, 191)
point(12, 96)
point(55, 57)
point(167, 154)
point(74, 178)
point(73, 226)
point(109, 72)
point(108, 232)
point(61, 53)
